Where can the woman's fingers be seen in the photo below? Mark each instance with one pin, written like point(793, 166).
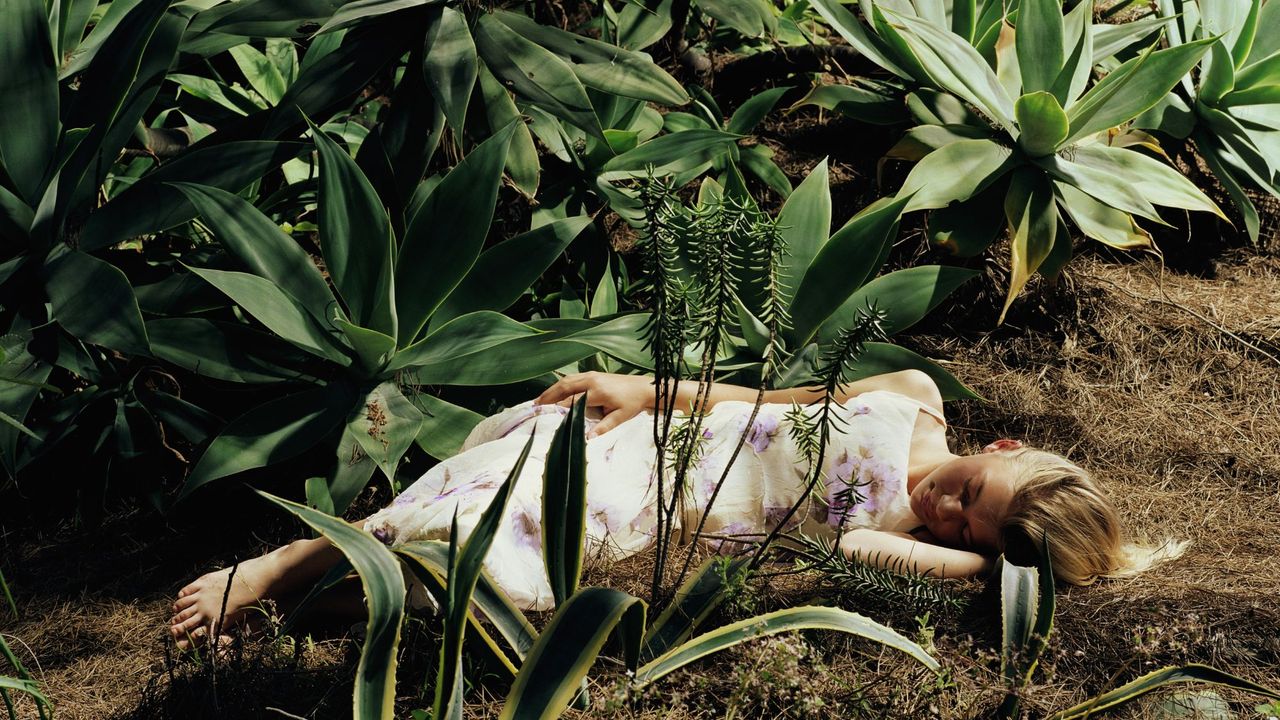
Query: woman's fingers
point(565, 387)
point(611, 421)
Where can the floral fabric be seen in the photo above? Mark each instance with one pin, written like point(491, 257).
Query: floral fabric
point(864, 479)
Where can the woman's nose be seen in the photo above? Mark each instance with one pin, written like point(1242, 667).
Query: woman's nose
point(948, 506)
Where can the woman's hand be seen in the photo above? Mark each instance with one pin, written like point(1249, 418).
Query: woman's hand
point(622, 397)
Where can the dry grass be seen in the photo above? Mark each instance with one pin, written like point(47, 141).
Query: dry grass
point(1166, 387)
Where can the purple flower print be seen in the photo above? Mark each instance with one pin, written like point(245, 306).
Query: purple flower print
point(404, 499)
point(707, 434)
point(762, 432)
point(383, 535)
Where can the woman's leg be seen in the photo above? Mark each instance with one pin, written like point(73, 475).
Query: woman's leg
point(278, 575)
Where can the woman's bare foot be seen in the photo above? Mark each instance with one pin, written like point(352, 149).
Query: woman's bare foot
point(199, 609)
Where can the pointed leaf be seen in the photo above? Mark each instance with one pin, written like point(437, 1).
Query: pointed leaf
point(449, 62)
point(696, 599)
point(1033, 224)
point(383, 584)
point(385, 424)
point(535, 74)
point(1019, 595)
point(360, 11)
point(233, 352)
point(862, 99)
point(262, 246)
point(880, 358)
point(1156, 181)
point(957, 171)
point(1079, 62)
point(29, 86)
point(500, 111)
point(1101, 221)
point(464, 335)
point(447, 234)
point(1101, 185)
point(513, 361)
point(564, 503)
point(750, 113)
point(93, 301)
point(553, 672)
point(672, 153)
point(906, 296)
point(1160, 678)
point(1039, 43)
point(857, 35)
point(805, 224)
point(270, 433)
point(797, 618)
point(1218, 74)
point(261, 73)
point(445, 426)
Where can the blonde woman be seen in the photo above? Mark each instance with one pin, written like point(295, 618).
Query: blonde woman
point(892, 492)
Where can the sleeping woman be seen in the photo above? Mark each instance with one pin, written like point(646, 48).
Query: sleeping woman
point(892, 493)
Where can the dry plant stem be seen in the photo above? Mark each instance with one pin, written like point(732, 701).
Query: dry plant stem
point(1170, 303)
point(213, 641)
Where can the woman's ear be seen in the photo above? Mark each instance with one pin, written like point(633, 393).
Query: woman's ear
point(1002, 444)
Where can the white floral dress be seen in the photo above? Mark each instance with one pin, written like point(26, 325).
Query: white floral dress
point(867, 453)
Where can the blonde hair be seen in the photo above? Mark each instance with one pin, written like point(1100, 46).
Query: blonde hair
point(1055, 497)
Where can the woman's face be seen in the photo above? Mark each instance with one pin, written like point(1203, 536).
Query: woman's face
point(964, 501)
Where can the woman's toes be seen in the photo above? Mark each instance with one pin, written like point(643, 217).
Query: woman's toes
point(184, 603)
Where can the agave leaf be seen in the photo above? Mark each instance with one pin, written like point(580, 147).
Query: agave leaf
point(921, 140)
point(1033, 225)
point(1019, 595)
point(465, 566)
point(535, 74)
point(261, 73)
point(380, 576)
point(445, 426)
point(360, 11)
point(1102, 186)
point(694, 601)
point(841, 267)
point(1078, 64)
point(93, 301)
point(500, 110)
point(1225, 170)
point(1226, 19)
point(385, 424)
point(1132, 88)
point(750, 113)
point(906, 296)
point(967, 229)
point(1042, 122)
point(233, 352)
point(505, 271)
point(564, 503)
point(153, 203)
point(277, 310)
point(465, 335)
point(1100, 221)
point(1156, 181)
point(447, 234)
point(955, 172)
point(622, 337)
point(493, 603)
point(1264, 72)
point(355, 238)
point(758, 160)
point(863, 100)
point(797, 618)
point(449, 62)
point(552, 674)
point(880, 358)
point(745, 16)
point(1111, 39)
point(513, 361)
point(805, 222)
point(1266, 40)
point(932, 107)
point(941, 51)
point(29, 85)
point(601, 65)
point(1217, 73)
point(856, 34)
point(1040, 44)
point(672, 153)
point(1160, 678)
point(262, 246)
point(26, 375)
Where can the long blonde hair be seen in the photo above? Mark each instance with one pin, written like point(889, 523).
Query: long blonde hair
point(1055, 497)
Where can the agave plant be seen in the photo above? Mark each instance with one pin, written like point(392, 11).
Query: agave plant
point(1229, 106)
point(381, 320)
point(548, 668)
point(1017, 126)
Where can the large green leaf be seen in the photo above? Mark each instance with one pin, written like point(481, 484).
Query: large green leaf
point(1042, 123)
point(507, 270)
point(1102, 186)
point(805, 224)
point(601, 65)
point(270, 433)
point(513, 361)
point(955, 172)
point(553, 672)
point(842, 266)
point(500, 110)
point(408, 135)
point(862, 99)
point(233, 352)
point(1039, 42)
point(94, 301)
point(1266, 41)
point(1217, 74)
point(535, 74)
point(277, 310)
point(1221, 164)
point(263, 247)
point(1100, 221)
point(856, 34)
point(26, 374)
point(354, 13)
point(564, 503)
point(750, 113)
point(1078, 65)
point(355, 238)
point(29, 86)
point(905, 296)
point(790, 619)
point(445, 426)
point(1158, 679)
point(1132, 88)
point(385, 424)
point(465, 566)
point(881, 358)
point(447, 234)
point(942, 52)
point(263, 75)
point(151, 204)
point(374, 694)
point(449, 64)
point(461, 337)
point(1033, 225)
point(694, 601)
point(1157, 182)
point(967, 229)
point(672, 153)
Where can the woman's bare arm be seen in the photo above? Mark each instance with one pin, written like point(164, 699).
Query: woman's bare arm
point(899, 551)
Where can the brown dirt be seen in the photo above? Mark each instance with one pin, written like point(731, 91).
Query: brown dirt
point(1165, 385)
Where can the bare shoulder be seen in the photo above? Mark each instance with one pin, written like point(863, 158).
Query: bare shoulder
point(918, 385)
